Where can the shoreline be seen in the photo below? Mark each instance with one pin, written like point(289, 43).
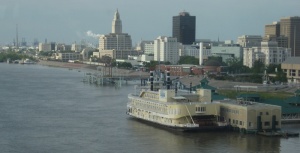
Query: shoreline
point(67, 65)
point(91, 68)
point(125, 72)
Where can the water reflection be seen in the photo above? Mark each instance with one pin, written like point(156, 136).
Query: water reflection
point(220, 141)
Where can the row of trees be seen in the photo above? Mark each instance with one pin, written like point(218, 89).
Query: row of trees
point(188, 60)
point(256, 72)
point(13, 56)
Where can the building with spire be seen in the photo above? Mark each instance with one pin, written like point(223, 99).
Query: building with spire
point(117, 24)
point(117, 45)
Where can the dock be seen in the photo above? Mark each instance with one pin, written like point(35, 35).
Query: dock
point(117, 80)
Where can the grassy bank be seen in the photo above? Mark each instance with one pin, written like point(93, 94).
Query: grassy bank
point(264, 95)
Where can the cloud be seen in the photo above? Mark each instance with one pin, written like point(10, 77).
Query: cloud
point(91, 34)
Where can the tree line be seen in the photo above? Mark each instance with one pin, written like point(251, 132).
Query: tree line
point(13, 56)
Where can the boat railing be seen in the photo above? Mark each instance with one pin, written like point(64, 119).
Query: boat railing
point(187, 125)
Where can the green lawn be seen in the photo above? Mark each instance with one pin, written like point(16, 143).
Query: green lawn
point(264, 95)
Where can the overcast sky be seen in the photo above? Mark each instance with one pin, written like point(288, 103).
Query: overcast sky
point(68, 21)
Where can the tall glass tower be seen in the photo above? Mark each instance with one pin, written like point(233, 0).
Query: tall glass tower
point(184, 28)
point(290, 27)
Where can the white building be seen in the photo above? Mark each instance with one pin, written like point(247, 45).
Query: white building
point(227, 50)
point(268, 53)
point(142, 44)
point(166, 49)
point(249, 41)
point(65, 57)
point(76, 47)
point(115, 41)
point(149, 48)
point(146, 58)
point(140, 59)
point(85, 53)
point(44, 47)
point(62, 47)
point(189, 50)
point(205, 51)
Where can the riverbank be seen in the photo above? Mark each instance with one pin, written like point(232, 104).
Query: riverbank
point(67, 65)
point(92, 68)
point(220, 84)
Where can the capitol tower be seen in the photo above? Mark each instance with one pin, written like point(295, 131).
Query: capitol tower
point(117, 45)
point(117, 23)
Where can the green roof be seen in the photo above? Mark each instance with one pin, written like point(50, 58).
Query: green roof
point(216, 96)
point(297, 91)
point(248, 96)
point(295, 99)
point(285, 107)
point(205, 86)
point(204, 80)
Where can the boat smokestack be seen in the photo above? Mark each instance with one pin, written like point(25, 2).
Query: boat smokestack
point(168, 80)
point(176, 88)
point(151, 80)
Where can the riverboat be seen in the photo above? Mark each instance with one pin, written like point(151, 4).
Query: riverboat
point(165, 107)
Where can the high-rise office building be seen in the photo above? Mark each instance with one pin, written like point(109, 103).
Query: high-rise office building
point(272, 33)
point(272, 29)
point(166, 49)
point(290, 27)
point(184, 28)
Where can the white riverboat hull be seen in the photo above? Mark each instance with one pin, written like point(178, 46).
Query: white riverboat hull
point(191, 128)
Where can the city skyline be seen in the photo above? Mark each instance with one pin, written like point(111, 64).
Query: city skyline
point(69, 21)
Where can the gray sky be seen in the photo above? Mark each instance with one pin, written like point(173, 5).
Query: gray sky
point(68, 21)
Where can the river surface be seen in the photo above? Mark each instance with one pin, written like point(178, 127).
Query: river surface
point(50, 110)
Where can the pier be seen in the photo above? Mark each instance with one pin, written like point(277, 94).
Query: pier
point(113, 76)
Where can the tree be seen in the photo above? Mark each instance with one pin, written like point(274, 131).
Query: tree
point(13, 56)
point(167, 63)
point(272, 67)
point(188, 60)
point(214, 61)
point(256, 78)
point(45, 53)
point(124, 65)
point(151, 65)
point(236, 65)
point(258, 67)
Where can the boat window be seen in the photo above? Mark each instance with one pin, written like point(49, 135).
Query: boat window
point(267, 123)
